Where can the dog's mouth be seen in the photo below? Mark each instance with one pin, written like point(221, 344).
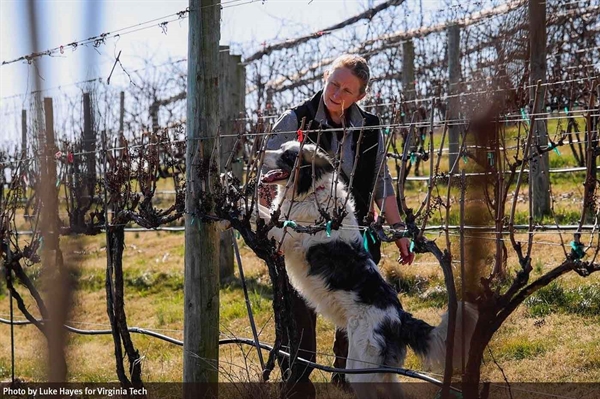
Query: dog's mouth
point(275, 175)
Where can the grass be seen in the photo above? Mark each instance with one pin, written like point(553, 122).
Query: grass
point(555, 297)
point(520, 348)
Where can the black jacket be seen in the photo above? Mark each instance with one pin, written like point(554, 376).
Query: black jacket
point(364, 178)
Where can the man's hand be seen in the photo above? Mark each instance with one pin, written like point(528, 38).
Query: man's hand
point(406, 257)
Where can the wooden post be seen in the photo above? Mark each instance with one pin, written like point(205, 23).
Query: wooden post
point(58, 283)
point(89, 140)
point(89, 148)
point(226, 144)
point(591, 158)
point(454, 73)
point(49, 217)
point(231, 103)
point(238, 96)
point(121, 112)
point(537, 60)
point(408, 70)
point(201, 286)
point(24, 168)
point(408, 91)
point(23, 134)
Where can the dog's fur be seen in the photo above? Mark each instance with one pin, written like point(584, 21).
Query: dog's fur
point(338, 278)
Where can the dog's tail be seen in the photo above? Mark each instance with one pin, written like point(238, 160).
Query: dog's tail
point(429, 343)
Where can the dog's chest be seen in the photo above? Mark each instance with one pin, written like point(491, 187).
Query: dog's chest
point(334, 305)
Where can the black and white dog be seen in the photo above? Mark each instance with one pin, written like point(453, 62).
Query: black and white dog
point(338, 278)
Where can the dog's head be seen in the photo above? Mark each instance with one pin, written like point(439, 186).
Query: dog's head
point(279, 166)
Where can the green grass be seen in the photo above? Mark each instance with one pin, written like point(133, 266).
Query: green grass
point(521, 348)
point(141, 280)
point(233, 303)
point(582, 300)
point(169, 309)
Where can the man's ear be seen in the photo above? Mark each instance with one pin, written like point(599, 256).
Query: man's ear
point(361, 96)
point(325, 75)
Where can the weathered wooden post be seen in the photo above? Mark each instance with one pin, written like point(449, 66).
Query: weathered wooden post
point(454, 73)
point(24, 168)
point(540, 165)
point(408, 70)
point(121, 112)
point(231, 104)
point(88, 184)
point(52, 260)
point(23, 134)
point(201, 286)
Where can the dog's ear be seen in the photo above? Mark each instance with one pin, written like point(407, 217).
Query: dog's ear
point(305, 180)
point(288, 158)
point(323, 166)
point(322, 161)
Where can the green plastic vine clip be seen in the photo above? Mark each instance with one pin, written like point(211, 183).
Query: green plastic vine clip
point(372, 237)
point(290, 223)
point(465, 159)
point(567, 111)
point(328, 229)
point(490, 156)
point(387, 130)
point(57, 182)
point(365, 241)
point(577, 250)
point(524, 116)
point(412, 246)
point(413, 158)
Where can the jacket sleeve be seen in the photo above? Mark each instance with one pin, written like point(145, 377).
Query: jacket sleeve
point(383, 186)
point(284, 130)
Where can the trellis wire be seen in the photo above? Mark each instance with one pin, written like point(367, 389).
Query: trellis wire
point(245, 341)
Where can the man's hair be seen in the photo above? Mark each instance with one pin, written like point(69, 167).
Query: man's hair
point(357, 65)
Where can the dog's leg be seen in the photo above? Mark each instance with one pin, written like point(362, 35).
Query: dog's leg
point(264, 212)
point(391, 387)
point(363, 353)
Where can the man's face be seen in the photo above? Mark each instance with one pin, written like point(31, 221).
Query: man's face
point(342, 89)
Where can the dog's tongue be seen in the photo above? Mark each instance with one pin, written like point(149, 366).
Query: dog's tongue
point(274, 175)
